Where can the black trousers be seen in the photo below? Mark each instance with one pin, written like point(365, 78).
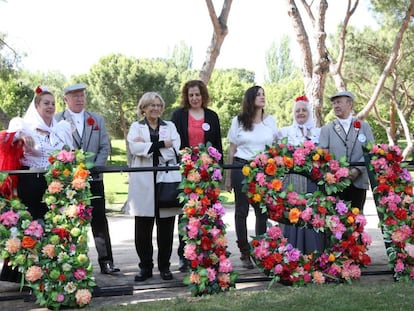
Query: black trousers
point(357, 196)
point(242, 207)
point(143, 241)
point(99, 223)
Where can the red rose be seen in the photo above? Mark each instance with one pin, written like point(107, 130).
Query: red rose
point(38, 90)
point(90, 121)
point(357, 124)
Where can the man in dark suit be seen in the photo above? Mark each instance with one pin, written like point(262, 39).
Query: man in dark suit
point(346, 136)
point(90, 134)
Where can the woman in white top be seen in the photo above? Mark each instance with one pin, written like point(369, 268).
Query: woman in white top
point(303, 128)
point(249, 134)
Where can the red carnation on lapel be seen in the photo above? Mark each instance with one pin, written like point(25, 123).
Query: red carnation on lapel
point(357, 124)
point(90, 121)
point(96, 128)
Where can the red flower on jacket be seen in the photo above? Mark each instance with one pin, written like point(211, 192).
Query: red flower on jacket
point(91, 122)
point(357, 124)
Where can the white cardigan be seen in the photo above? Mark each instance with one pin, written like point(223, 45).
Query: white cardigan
point(141, 186)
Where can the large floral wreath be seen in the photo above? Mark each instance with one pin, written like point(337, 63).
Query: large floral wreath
point(395, 204)
point(53, 258)
point(202, 226)
point(343, 225)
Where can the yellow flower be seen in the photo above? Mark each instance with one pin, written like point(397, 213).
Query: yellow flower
point(246, 170)
point(331, 257)
point(257, 197)
point(66, 172)
point(319, 151)
point(199, 190)
point(355, 210)
point(316, 157)
point(294, 215)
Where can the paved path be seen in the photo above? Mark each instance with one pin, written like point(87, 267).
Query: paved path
point(121, 288)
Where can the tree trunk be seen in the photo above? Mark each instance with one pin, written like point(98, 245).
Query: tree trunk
point(220, 32)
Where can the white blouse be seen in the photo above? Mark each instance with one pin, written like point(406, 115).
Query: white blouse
point(249, 143)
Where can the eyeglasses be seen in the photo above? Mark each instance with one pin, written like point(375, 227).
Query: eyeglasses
point(156, 106)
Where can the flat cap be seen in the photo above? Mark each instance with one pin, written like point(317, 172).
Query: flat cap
point(75, 87)
point(343, 93)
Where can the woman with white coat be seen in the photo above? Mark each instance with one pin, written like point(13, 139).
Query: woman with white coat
point(152, 142)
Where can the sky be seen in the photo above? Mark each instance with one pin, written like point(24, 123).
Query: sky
point(71, 35)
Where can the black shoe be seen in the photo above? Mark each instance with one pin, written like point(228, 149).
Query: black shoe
point(109, 268)
point(183, 265)
point(166, 275)
point(143, 275)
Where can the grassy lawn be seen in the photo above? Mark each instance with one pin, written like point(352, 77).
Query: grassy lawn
point(116, 184)
point(358, 296)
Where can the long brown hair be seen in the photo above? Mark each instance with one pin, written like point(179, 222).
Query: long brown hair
point(247, 114)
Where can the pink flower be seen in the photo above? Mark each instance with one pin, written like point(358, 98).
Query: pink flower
point(13, 245)
point(9, 218)
point(274, 232)
point(34, 273)
point(190, 251)
point(79, 274)
point(278, 269)
point(214, 232)
point(225, 265)
point(34, 229)
point(306, 214)
point(60, 297)
point(214, 153)
point(262, 251)
point(399, 266)
point(78, 183)
point(65, 156)
point(409, 248)
point(55, 187)
point(83, 297)
point(211, 274)
point(48, 250)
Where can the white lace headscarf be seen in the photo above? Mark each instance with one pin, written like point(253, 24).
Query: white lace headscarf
point(32, 120)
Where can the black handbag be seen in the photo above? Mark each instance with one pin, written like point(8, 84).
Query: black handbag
point(167, 188)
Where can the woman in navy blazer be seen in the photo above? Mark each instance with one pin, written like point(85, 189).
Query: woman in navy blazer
point(196, 124)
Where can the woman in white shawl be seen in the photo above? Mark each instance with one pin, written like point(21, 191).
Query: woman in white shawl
point(303, 128)
point(41, 135)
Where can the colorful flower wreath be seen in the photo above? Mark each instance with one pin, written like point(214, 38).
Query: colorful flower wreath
point(321, 210)
point(395, 205)
point(211, 270)
point(54, 259)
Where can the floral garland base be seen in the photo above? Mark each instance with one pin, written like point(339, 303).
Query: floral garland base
point(53, 258)
point(342, 225)
point(395, 204)
point(211, 270)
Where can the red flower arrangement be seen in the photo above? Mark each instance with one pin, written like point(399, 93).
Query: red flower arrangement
point(357, 124)
point(395, 205)
point(203, 229)
point(321, 210)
